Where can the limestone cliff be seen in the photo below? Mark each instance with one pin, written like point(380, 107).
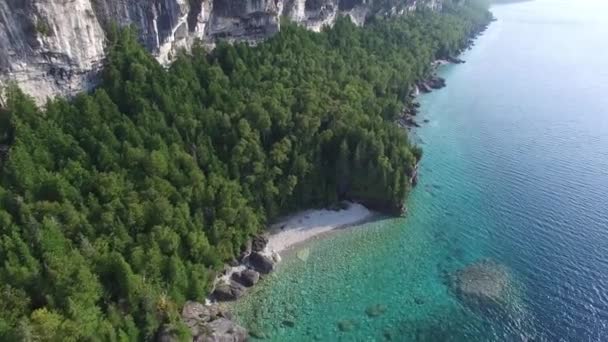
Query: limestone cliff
point(52, 47)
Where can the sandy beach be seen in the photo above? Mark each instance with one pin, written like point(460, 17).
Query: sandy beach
point(302, 226)
point(307, 224)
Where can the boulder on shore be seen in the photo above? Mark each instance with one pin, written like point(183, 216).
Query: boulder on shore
point(195, 312)
point(424, 87)
point(482, 284)
point(246, 278)
point(410, 122)
point(261, 262)
point(224, 330)
point(209, 323)
point(228, 291)
point(454, 60)
point(414, 177)
point(259, 242)
point(436, 82)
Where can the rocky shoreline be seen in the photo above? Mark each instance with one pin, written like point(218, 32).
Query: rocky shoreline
point(254, 262)
point(212, 321)
point(407, 118)
point(430, 83)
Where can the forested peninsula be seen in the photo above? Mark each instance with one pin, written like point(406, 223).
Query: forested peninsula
point(119, 205)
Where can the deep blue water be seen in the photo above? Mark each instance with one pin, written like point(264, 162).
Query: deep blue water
point(515, 170)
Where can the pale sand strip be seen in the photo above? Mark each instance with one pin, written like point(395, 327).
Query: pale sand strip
point(303, 226)
point(307, 224)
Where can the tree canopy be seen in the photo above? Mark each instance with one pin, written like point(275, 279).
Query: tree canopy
point(119, 205)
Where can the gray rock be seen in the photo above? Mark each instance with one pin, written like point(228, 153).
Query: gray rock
point(58, 47)
point(246, 278)
point(436, 82)
point(409, 121)
point(259, 243)
point(194, 312)
point(223, 330)
point(261, 263)
point(424, 87)
point(455, 60)
point(226, 292)
point(208, 323)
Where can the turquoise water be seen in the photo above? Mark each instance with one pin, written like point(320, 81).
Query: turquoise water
point(515, 170)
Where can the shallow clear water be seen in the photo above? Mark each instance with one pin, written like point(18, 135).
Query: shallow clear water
point(515, 170)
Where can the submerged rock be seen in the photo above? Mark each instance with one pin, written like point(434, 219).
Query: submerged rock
point(256, 333)
point(375, 310)
point(346, 325)
point(289, 323)
point(387, 335)
point(483, 284)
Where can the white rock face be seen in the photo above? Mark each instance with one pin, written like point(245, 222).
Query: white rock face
point(49, 46)
point(56, 47)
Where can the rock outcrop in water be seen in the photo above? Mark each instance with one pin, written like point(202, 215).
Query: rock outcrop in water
point(484, 284)
point(57, 47)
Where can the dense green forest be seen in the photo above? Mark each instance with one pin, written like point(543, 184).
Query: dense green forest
point(118, 205)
